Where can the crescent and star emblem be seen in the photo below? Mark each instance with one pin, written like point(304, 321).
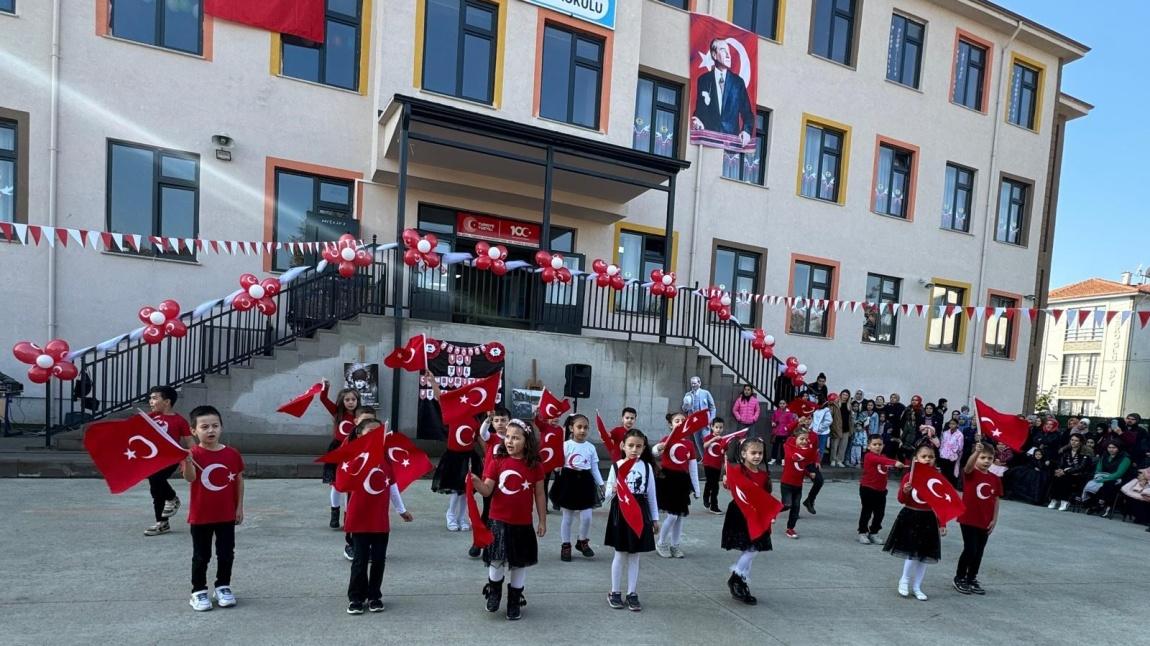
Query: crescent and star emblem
point(362, 457)
point(882, 469)
point(459, 435)
point(391, 455)
point(930, 487)
point(367, 486)
point(577, 461)
point(506, 488)
point(131, 455)
point(914, 496)
point(672, 453)
point(482, 398)
point(345, 428)
point(550, 411)
point(978, 490)
point(550, 454)
point(206, 478)
point(989, 423)
point(713, 450)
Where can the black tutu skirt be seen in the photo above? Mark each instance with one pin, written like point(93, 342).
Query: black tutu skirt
point(736, 536)
point(619, 534)
point(674, 491)
point(329, 469)
point(914, 536)
point(575, 490)
point(452, 471)
point(514, 545)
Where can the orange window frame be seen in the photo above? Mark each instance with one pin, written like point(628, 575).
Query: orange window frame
point(988, 68)
point(831, 314)
point(912, 184)
point(272, 164)
point(608, 37)
point(1014, 327)
point(104, 29)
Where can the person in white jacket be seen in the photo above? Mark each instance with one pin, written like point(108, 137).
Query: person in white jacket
point(821, 425)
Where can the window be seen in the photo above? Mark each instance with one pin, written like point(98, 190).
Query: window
point(681, 4)
point(9, 167)
point(153, 192)
point(8, 6)
point(172, 25)
point(999, 341)
point(957, 198)
point(944, 331)
point(639, 254)
point(904, 51)
point(822, 162)
point(334, 62)
point(1080, 369)
point(737, 271)
point(750, 167)
point(1023, 96)
point(310, 208)
point(892, 193)
point(969, 75)
point(1088, 330)
point(572, 77)
point(832, 31)
point(759, 16)
point(459, 48)
point(657, 117)
point(1011, 212)
point(810, 281)
point(880, 323)
point(1078, 407)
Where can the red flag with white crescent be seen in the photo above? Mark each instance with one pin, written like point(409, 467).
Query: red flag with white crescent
point(759, 507)
point(129, 450)
point(408, 462)
point(462, 437)
point(550, 446)
point(550, 407)
point(463, 404)
point(928, 486)
point(1011, 430)
point(355, 459)
point(612, 447)
point(298, 405)
point(628, 505)
point(411, 357)
point(726, 440)
point(481, 536)
point(678, 447)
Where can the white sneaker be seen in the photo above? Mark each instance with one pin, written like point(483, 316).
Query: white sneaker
point(171, 507)
point(903, 588)
point(676, 553)
point(224, 597)
point(1064, 506)
point(200, 601)
point(863, 539)
point(662, 549)
point(1052, 505)
point(920, 595)
point(464, 527)
point(453, 527)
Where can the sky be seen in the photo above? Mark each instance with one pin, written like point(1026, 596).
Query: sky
point(1101, 228)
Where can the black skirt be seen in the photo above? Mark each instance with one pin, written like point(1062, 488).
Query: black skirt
point(452, 471)
point(575, 490)
point(914, 536)
point(329, 469)
point(737, 537)
point(619, 534)
point(674, 492)
point(514, 545)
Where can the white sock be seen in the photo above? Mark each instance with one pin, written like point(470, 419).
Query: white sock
point(908, 568)
point(919, 573)
point(584, 524)
point(495, 573)
point(336, 498)
point(517, 577)
point(677, 535)
point(632, 573)
point(742, 567)
point(565, 526)
point(617, 570)
point(665, 529)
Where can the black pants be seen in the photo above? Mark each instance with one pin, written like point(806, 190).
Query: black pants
point(973, 545)
point(486, 509)
point(777, 444)
point(816, 484)
point(946, 467)
point(225, 534)
point(791, 498)
point(711, 488)
point(873, 510)
point(162, 492)
point(366, 583)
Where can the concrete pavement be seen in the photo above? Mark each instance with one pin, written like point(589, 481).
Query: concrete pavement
point(77, 569)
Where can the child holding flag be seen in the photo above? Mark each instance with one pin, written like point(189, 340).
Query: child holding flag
point(631, 490)
point(799, 454)
point(737, 534)
point(915, 534)
point(342, 412)
point(872, 489)
point(980, 493)
point(165, 502)
point(713, 466)
point(577, 487)
point(678, 481)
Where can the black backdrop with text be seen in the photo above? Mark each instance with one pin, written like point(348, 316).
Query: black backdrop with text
point(454, 365)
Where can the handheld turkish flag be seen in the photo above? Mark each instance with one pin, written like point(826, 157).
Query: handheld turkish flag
point(355, 459)
point(481, 536)
point(612, 448)
point(929, 487)
point(463, 404)
point(727, 439)
point(1011, 430)
point(550, 447)
point(463, 437)
point(550, 407)
point(129, 450)
point(412, 356)
point(628, 505)
point(802, 406)
point(408, 462)
point(303, 18)
point(298, 406)
point(759, 507)
point(678, 447)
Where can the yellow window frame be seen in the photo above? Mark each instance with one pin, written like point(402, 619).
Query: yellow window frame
point(931, 316)
point(844, 165)
point(275, 64)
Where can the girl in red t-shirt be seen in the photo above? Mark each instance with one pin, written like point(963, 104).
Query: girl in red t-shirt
point(514, 480)
point(799, 453)
point(981, 490)
point(343, 422)
point(915, 535)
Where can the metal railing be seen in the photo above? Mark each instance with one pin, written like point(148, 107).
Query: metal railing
point(118, 379)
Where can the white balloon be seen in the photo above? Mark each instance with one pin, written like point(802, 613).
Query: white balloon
point(347, 254)
point(725, 300)
point(612, 270)
point(769, 339)
point(256, 291)
point(493, 253)
point(667, 280)
point(157, 318)
point(423, 246)
point(556, 262)
point(45, 361)
point(801, 369)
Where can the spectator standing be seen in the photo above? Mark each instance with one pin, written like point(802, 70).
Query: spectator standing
point(819, 388)
point(821, 425)
point(746, 410)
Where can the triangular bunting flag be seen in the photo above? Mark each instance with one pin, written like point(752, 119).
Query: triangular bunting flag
point(215, 245)
point(114, 241)
point(918, 310)
point(80, 236)
point(1032, 313)
point(268, 248)
point(970, 312)
point(1124, 316)
point(905, 309)
point(950, 310)
point(1010, 313)
point(174, 245)
point(7, 229)
point(1083, 315)
point(1057, 314)
point(1143, 317)
point(135, 238)
point(62, 236)
point(1099, 315)
point(34, 233)
point(50, 236)
point(1110, 316)
point(854, 307)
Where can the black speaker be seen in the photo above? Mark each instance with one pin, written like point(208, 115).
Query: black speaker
point(578, 381)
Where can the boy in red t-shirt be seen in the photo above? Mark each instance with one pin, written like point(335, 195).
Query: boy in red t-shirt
point(981, 490)
point(216, 507)
point(713, 466)
point(627, 422)
point(165, 502)
point(799, 453)
point(872, 489)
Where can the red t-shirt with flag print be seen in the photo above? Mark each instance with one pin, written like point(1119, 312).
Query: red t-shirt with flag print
point(513, 499)
point(713, 454)
point(874, 471)
point(216, 489)
point(980, 494)
point(176, 426)
point(797, 461)
point(369, 505)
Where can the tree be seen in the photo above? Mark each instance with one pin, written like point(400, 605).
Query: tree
point(1044, 400)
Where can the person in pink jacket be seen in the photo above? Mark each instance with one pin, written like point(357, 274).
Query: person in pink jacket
point(745, 410)
point(782, 422)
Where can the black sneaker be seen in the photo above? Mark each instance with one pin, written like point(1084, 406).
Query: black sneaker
point(473, 552)
point(962, 586)
point(355, 608)
point(565, 552)
point(584, 548)
point(348, 553)
point(493, 593)
point(375, 605)
point(334, 522)
point(810, 506)
point(975, 587)
point(633, 603)
point(615, 600)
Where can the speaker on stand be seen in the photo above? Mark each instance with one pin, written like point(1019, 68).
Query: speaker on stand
point(577, 382)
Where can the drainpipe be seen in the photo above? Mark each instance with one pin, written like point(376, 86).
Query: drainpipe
point(697, 199)
point(987, 230)
point(53, 150)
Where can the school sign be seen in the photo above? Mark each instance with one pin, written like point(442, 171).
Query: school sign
point(596, 12)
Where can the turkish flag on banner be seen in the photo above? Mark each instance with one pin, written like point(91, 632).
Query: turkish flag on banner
point(463, 437)
point(303, 18)
point(411, 357)
point(612, 448)
point(129, 450)
point(550, 407)
point(758, 506)
point(298, 406)
point(550, 446)
point(408, 462)
point(354, 457)
point(463, 404)
point(1011, 430)
point(628, 505)
point(928, 486)
point(678, 448)
point(481, 536)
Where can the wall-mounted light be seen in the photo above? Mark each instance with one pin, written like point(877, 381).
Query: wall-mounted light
point(224, 141)
point(1028, 297)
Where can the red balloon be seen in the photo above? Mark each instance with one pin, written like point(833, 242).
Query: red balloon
point(266, 306)
point(657, 276)
point(498, 267)
point(481, 248)
point(432, 239)
point(431, 259)
point(331, 254)
point(792, 362)
point(38, 375)
point(271, 286)
point(482, 262)
point(758, 344)
point(725, 314)
point(657, 288)
point(243, 302)
point(602, 280)
point(768, 352)
point(599, 266)
point(347, 239)
point(564, 275)
point(27, 352)
point(542, 258)
point(346, 269)
point(796, 381)
point(65, 370)
point(176, 328)
point(411, 257)
point(410, 238)
point(670, 291)
point(548, 275)
point(617, 282)
point(170, 308)
point(153, 334)
point(714, 305)
point(247, 280)
point(760, 333)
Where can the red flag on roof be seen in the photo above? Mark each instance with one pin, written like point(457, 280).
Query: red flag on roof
point(303, 18)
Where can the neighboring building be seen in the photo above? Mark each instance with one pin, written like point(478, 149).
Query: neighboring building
point(1095, 368)
point(174, 124)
